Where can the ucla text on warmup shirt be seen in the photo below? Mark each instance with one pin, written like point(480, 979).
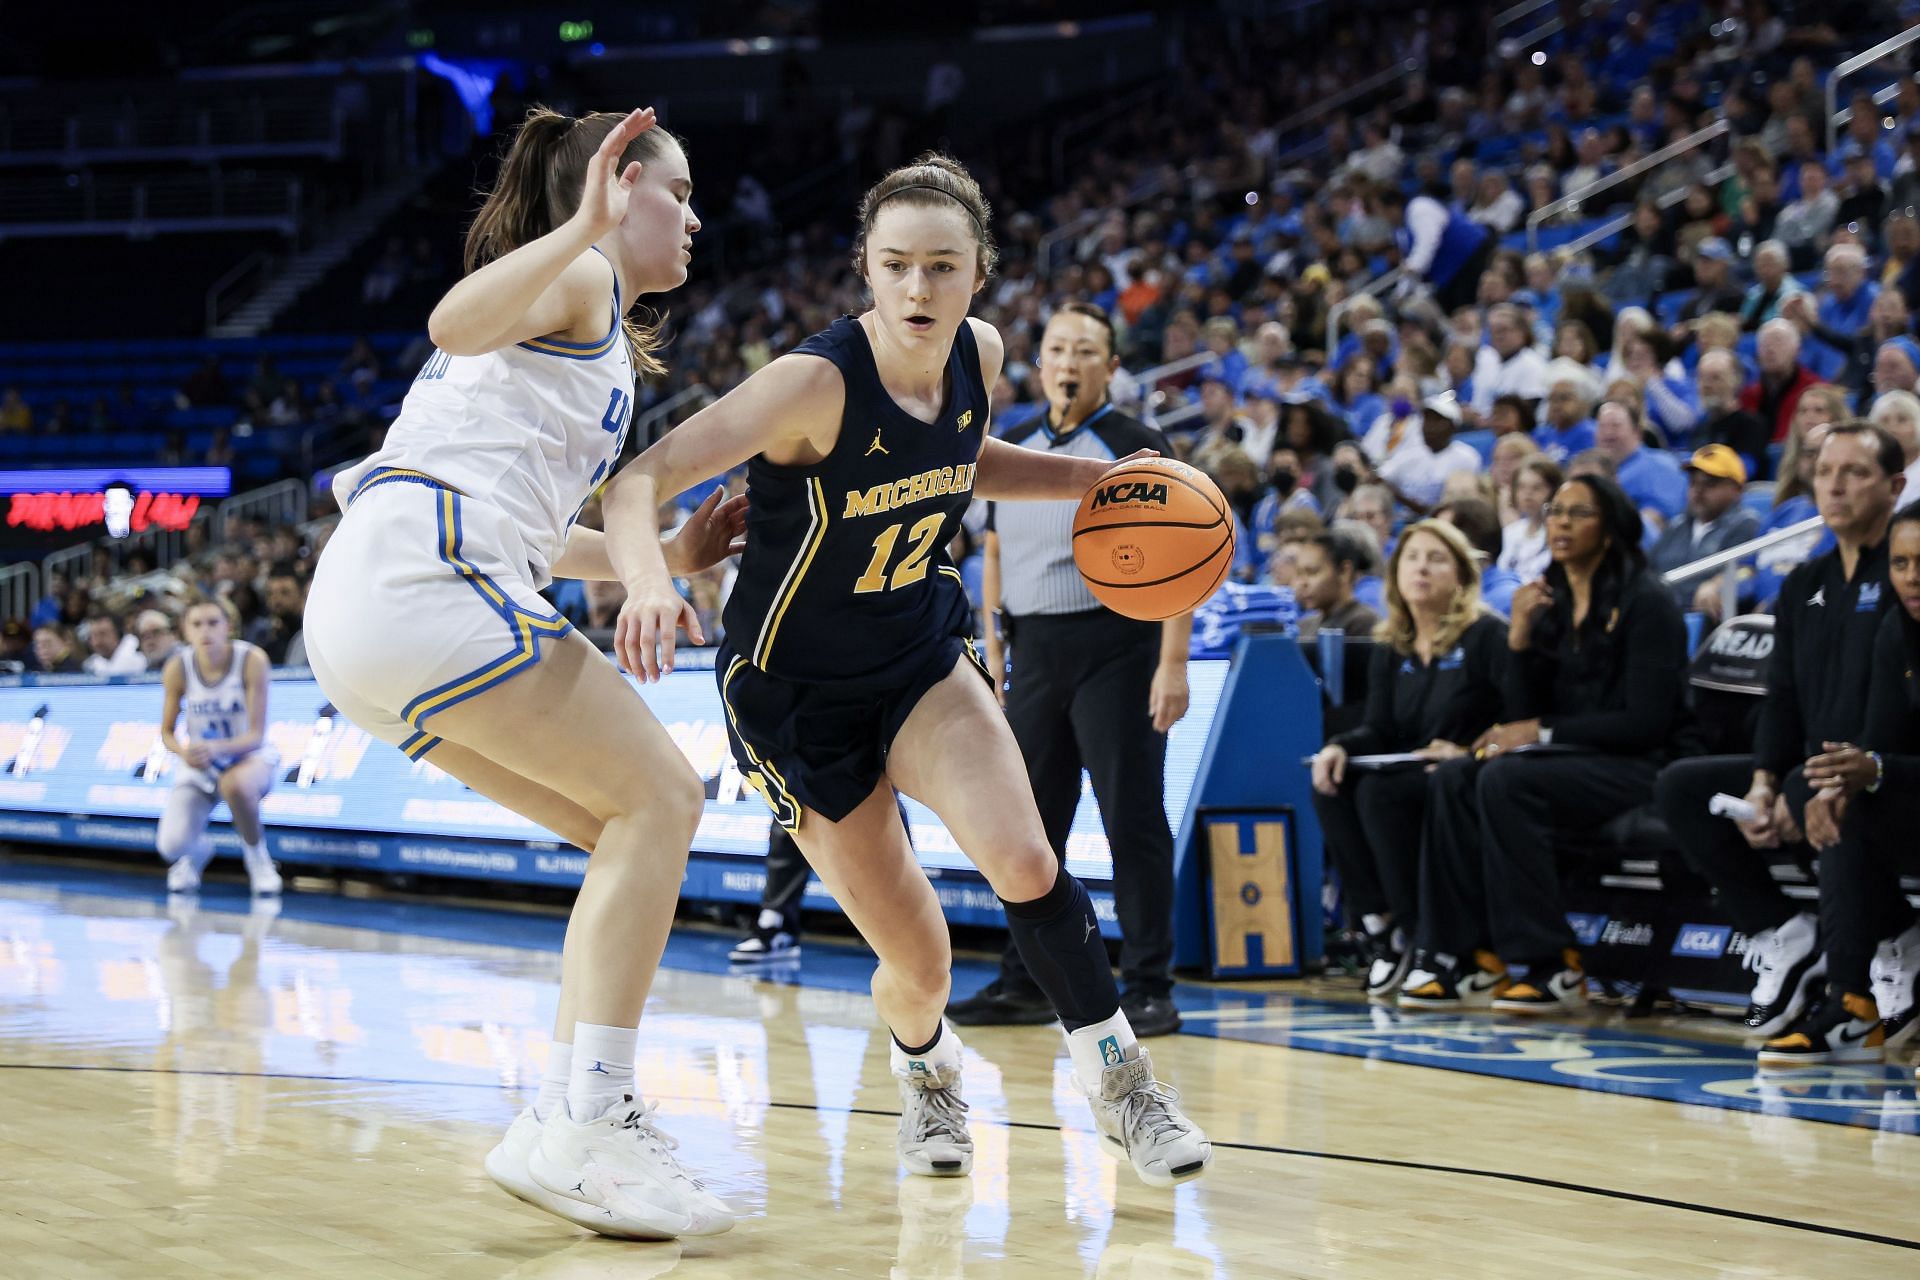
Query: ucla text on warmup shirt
point(1037, 574)
point(531, 429)
point(216, 709)
point(846, 572)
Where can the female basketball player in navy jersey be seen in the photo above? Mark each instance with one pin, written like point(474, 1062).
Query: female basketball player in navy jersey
point(848, 667)
point(425, 626)
point(221, 685)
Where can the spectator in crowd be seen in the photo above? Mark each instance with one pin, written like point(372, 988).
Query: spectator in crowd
point(1573, 340)
point(1418, 476)
point(111, 652)
point(1772, 285)
point(1479, 523)
point(1221, 425)
point(1669, 403)
point(1649, 476)
point(1722, 420)
point(1898, 414)
point(1568, 426)
point(1309, 429)
point(1447, 251)
point(1861, 817)
point(1805, 220)
point(1713, 286)
point(1372, 505)
point(54, 650)
point(1355, 396)
point(1823, 636)
point(1773, 395)
point(157, 637)
point(278, 630)
point(1508, 364)
point(1497, 206)
point(1433, 687)
point(1896, 365)
point(206, 386)
point(1509, 452)
point(1863, 198)
point(1325, 570)
point(1596, 652)
point(604, 599)
point(1715, 518)
point(16, 415)
point(1842, 310)
point(1523, 543)
point(1290, 530)
point(1511, 416)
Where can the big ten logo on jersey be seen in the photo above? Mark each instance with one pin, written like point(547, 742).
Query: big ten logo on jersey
point(1125, 491)
point(435, 368)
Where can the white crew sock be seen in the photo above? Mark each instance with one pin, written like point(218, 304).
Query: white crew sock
point(601, 1071)
point(1096, 1047)
point(553, 1085)
point(942, 1054)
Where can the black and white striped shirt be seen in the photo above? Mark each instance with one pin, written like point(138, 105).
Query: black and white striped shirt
point(1037, 574)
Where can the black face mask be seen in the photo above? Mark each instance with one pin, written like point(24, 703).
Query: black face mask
point(1283, 481)
point(1346, 479)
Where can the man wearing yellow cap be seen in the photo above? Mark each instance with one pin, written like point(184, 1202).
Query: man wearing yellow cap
point(1715, 519)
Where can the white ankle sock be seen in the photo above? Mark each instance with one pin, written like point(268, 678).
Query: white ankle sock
point(944, 1053)
point(601, 1069)
point(1096, 1047)
point(553, 1085)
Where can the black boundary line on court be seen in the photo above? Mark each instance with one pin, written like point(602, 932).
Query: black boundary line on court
point(1382, 1162)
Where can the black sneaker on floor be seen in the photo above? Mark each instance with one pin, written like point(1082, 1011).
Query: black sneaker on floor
point(769, 943)
point(1843, 1030)
point(995, 1006)
point(1149, 1014)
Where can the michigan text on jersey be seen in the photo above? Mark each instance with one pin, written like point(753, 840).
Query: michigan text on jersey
point(908, 490)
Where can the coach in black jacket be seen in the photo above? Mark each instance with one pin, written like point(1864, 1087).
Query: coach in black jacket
point(1824, 626)
point(1433, 687)
point(1594, 689)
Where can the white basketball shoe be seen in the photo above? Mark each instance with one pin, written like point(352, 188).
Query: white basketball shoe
point(934, 1140)
point(1139, 1121)
point(507, 1166)
point(621, 1169)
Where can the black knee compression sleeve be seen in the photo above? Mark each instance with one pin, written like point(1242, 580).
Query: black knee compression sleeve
point(1059, 939)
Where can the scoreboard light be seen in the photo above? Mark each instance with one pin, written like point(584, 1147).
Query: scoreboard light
point(122, 501)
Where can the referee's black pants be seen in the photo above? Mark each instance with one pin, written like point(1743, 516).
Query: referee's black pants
point(1741, 876)
point(1078, 698)
point(1861, 904)
point(1488, 878)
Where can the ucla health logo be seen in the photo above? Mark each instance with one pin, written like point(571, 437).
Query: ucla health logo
point(1869, 598)
point(1586, 928)
point(1705, 941)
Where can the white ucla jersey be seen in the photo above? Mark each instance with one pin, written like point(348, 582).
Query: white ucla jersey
point(531, 429)
point(217, 709)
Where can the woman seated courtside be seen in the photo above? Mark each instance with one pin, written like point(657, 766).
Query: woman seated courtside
point(1596, 662)
point(1433, 687)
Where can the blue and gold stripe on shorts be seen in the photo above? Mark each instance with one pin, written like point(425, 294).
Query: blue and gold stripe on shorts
point(389, 475)
point(763, 777)
point(526, 628)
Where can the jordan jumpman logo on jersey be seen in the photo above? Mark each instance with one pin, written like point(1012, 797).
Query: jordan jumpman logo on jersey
point(876, 446)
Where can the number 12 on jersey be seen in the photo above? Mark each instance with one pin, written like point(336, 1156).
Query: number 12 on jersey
point(910, 570)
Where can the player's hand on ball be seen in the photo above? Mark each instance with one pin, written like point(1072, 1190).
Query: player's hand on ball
point(603, 201)
point(643, 637)
point(711, 534)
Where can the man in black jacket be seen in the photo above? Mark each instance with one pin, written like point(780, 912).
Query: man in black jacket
point(1824, 626)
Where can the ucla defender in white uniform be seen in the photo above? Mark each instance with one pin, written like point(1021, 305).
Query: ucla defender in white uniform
point(215, 687)
point(425, 627)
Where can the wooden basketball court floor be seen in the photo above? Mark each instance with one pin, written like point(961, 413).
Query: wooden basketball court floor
point(217, 1091)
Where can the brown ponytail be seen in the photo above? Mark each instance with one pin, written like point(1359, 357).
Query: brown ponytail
point(539, 188)
point(932, 181)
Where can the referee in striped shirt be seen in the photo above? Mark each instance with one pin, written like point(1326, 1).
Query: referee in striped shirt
point(1089, 688)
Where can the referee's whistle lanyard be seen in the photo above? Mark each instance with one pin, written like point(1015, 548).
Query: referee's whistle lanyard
point(1086, 422)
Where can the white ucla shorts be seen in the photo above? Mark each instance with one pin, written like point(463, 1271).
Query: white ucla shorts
point(421, 601)
point(207, 780)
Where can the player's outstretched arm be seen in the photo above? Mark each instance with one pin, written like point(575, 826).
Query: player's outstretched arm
point(549, 285)
point(1010, 473)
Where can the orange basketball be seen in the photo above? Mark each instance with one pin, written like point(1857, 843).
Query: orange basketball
point(1153, 538)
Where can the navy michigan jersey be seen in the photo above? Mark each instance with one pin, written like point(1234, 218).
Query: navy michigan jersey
point(846, 574)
